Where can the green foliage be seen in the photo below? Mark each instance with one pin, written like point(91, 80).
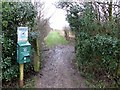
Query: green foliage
point(97, 43)
point(14, 14)
point(99, 56)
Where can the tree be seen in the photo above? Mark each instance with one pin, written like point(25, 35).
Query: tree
point(41, 28)
point(66, 32)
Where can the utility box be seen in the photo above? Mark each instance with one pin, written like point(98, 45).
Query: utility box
point(23, 52)
point(23, 46)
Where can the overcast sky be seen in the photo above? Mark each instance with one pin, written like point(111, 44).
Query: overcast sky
point(57, 21)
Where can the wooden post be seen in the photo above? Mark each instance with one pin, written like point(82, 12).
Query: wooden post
point(21, 75)
point(37, 57)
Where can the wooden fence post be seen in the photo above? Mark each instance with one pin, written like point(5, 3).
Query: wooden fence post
point(21, 75)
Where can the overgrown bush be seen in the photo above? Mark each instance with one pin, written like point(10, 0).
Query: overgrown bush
point(98, 57)
point(14, 14)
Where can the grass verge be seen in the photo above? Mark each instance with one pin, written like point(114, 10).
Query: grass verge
point(54, 38)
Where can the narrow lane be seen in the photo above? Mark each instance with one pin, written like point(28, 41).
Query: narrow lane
point(59, 71)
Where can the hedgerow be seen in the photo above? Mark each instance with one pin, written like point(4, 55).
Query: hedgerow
point(98, 57)
point(97, 40)
point(14, 14)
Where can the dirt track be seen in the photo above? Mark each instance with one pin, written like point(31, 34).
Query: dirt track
point(59, 70)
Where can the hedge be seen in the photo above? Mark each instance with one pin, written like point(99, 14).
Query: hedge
point(99, 57)
point(14, 14)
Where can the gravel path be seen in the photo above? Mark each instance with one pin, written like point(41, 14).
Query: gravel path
point(59, 70)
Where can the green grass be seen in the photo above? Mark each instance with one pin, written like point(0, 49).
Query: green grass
point(54, 38)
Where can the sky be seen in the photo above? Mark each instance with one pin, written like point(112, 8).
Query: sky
point(57, 20)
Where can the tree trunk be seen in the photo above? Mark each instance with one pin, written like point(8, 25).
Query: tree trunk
point(37, 57)
point(110, 10)
point(66, 34)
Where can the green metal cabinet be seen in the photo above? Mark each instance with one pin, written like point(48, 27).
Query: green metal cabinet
point(23, 52)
